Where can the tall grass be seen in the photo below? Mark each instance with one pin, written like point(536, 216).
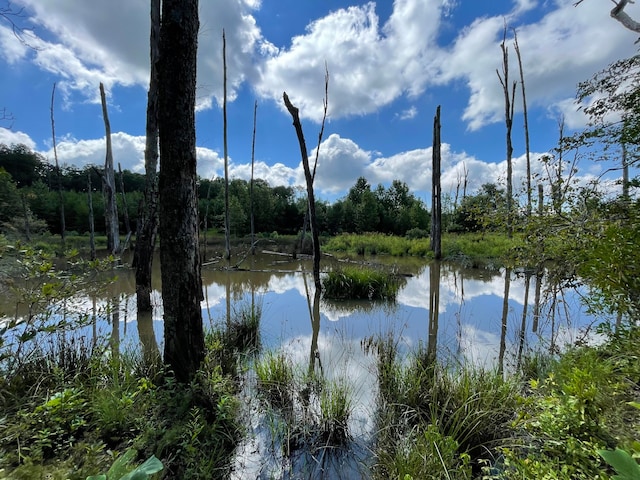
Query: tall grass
point(464, 410)
point(357, 282)
point(378, 244)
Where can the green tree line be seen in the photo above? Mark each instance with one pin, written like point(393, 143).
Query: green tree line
point(29, 186)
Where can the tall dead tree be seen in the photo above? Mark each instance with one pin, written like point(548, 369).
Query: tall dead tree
point(147, 225)
point(92, 240)
point(509, 97)
point(179, 248)
point(227, 223)
point(253, 156)
point(109, 185)
point(310, 194)
point(526, 125)
point(436, 190)
point(58, 172)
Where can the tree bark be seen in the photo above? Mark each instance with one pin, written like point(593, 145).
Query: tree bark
point(436, 191)
point(179, 248)
point(109, 186)
point(147, 226)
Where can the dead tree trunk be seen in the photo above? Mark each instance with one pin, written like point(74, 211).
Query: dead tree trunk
point(436, 192)
point(147, 225)
point(179, 249)
point(92, 230)
point(253, 151)
point(509, 97)
point(63, 227)
point(227, 232)
point(526, 125)
point(310, 195)
point(123, 195)
point(109, 186)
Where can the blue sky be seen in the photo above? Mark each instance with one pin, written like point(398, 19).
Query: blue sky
point(390, 65)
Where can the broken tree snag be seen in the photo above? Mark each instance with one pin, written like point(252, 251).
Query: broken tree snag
point(309, 179)
point(436, 191)
point(109, 186)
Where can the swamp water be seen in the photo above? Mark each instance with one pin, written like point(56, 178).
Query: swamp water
point(483, 317)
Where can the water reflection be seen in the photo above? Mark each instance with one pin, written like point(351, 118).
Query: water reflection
point(477, 316)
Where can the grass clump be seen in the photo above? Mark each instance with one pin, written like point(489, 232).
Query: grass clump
point(335, 409)
point(455, 418)
point(357, 282)
point(275, 377)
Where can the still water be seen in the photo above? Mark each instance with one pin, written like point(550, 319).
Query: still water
point(461, 311)
point(484, 317)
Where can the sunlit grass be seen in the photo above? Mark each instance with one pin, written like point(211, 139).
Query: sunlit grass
point(358, 282)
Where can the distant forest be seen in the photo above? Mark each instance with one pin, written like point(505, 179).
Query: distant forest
point(30, 189)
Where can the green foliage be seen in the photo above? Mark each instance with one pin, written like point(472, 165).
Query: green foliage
point(120, 470)
point(425, 453)
point(354, 282)
point(466, 412)
point(624, 464)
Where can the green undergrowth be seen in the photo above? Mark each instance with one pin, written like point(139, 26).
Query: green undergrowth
point(73, 409)
point(473, 249)
point(575, 416)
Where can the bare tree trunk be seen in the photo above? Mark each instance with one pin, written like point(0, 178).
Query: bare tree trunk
point(509, 96)
point(227, 230)
point(536, 301)
point(63, 227)
point(556, 186)
point(523, 325)
point(436, 191)
point(434, 309)
point(505, 317)
point(147, 226)
point(625, 173)
point(92, 231)
point(25, 213)
point(310, 195)
point(109, 186)
point(526, 125)
point(253, 151)
point(123, 195)
point(179, 248)
point(540, 199)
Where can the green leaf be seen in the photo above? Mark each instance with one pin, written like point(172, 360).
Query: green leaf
point(151, 466)
point(626, 467)
point(97, 477)
point(119, 466)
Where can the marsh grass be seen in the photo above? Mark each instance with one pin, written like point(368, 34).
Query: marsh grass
point(472, 249)
point(378, 244)
point(359, 282)
point(464, 410)
point(275, 379)
point(336, 407)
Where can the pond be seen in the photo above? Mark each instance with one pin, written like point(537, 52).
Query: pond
point(483, 317)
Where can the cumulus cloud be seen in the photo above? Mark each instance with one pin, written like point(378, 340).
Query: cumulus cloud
point(369, 65)
point(564, 47)
point(86, 43)
point(9, 137)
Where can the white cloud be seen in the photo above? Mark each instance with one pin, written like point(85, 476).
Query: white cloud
point(566, 46)
point(407, 114)
point(11, 47)
point(369, 66)
point(9, 137)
